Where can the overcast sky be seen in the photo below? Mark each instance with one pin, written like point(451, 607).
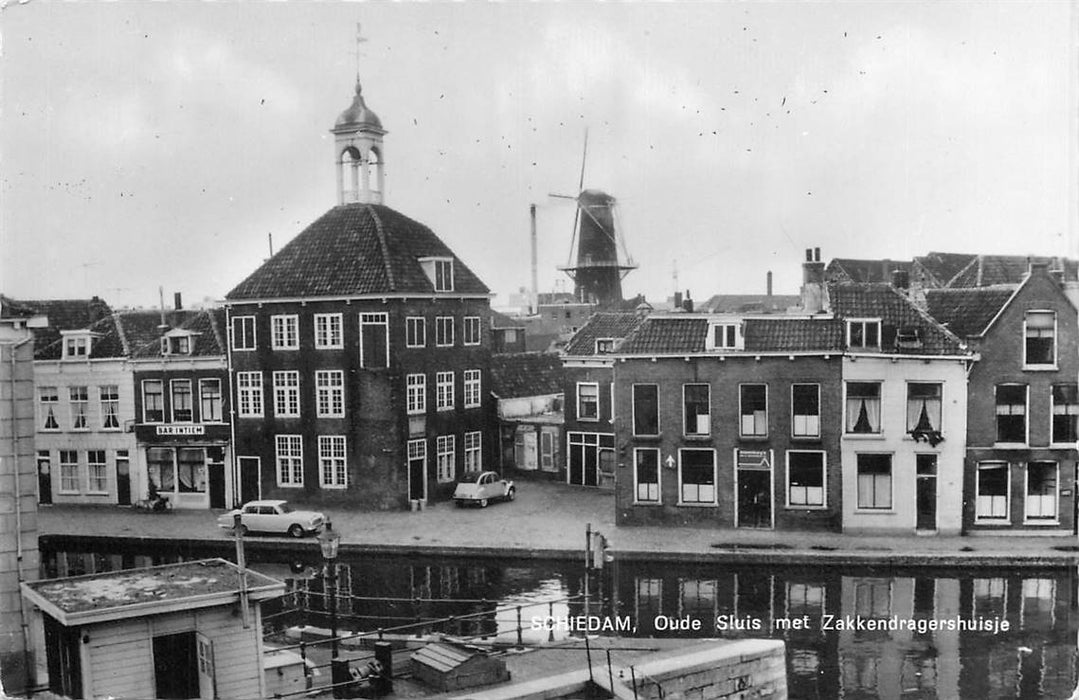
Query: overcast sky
point(150, 144)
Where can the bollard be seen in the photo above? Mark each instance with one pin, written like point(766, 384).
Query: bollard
point(520, 641)
point(382, 684)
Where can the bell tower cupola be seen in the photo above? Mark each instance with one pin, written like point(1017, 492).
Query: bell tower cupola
point(360, 157)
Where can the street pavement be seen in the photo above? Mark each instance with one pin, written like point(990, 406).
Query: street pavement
point(549, 520)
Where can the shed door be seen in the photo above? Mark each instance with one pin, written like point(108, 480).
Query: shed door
point(207, 679)
point(176, 666)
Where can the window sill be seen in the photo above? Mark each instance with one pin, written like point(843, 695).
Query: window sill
point(753, 438)
point(110, 430)
point(587, 420)
point(863, 436)
point(797, 507)
point(1040, 368)
point(48, 430)
point(250, 415)
point(287, 349)
point(331, 415)
point(648, 503)
point(69, 493)
point(445, 409)
point(79, 430)
point(473, 405)
point(1042, 523)
point(696, 505)
point(289, 486)
point(243, 349)
point(1062, 445)
point(97, 493)
point(471, 345)
point(329, 347)
point(646, 437)
point(875, 511)
point(698, 438)
point(1010, 446)
point(333, 487)
point(807, 438)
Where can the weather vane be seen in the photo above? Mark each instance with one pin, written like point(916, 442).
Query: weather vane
point(360, 39)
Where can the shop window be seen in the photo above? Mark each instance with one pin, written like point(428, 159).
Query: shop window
point(805, 475)
point(697, 476)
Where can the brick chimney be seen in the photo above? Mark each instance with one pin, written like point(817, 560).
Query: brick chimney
point(814, 288)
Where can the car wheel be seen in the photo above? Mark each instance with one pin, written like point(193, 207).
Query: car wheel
point(511, 494)
point(295, 530)
point(483, 503)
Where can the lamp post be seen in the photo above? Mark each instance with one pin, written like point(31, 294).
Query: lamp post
point(329, 541)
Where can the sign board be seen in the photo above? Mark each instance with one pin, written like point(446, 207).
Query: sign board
point(181, 430)
point(754, 459)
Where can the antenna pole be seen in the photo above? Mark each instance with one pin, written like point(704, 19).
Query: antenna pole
point(535, 274)
point(269, 237)
point(360, 39)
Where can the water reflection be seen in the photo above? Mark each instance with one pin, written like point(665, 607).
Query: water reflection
point(924, 633)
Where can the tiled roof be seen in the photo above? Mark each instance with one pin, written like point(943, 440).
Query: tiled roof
point(750, 303)
point(501, 320)
point(63, 315)
point(967, 312)
point(793, 334)
point(601, 325)
point(896, 313)
point(667, 335)
point(990, 270)
point(944, 266)
point(209, 324)
point(850, 270)
point(514, 375)
point(355, 249)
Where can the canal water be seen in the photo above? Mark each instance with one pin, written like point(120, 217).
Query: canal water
point(868, 632)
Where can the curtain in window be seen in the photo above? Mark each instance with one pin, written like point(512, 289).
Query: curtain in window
point(863, 413)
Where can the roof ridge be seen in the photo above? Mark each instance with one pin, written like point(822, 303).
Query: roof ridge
point(216, 331)
point(974, 259)
point(120, 332)
point(383, 245)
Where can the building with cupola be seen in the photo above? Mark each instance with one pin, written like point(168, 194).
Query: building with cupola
point(357, 353)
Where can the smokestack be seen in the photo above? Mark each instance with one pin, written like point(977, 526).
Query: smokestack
point(161, 302)
point(677, 301)
point(177, 302)
point(769, 284)
point(816, 255)
point(688, 303)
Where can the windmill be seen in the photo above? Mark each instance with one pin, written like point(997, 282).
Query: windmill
point(597, 273)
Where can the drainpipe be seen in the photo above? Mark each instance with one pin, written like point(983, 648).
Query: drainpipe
point(13, 347)
point(232, 409)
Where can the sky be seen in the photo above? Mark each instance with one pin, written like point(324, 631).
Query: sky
point(147, 145)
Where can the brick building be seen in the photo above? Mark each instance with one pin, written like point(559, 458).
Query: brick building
point(359, 352)
point(1023, 407)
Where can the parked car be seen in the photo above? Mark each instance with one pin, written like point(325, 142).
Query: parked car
point(483, 487)
point(273, 516)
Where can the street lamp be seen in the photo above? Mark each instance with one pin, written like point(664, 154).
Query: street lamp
point(329, 541)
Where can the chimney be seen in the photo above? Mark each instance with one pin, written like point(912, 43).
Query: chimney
point(1058, 276)
point(769, 284)
point(814, 290)
point(643, 310)
point(177, 302)
point(677, 301)
point(1037, 267)
point(688, 303)
point(900, 279)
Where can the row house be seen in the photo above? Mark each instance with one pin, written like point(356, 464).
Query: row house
point(359, 353)
point(181, 414)
point(527, 387)
point(1023, 408)
point(729, 421)
point(588, 375)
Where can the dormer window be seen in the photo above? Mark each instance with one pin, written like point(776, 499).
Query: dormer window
point(863, 334)
point(177, 343)
point(440, 272)
point(724, 336)
point(77, 344)
point(908, 339)
point(604, 346)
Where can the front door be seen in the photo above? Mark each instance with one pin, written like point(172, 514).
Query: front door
point(44, 478)
point(417, 470)
point(215, 466)
point(176, 671)
point(529, 457)
point(926, 492)
point(754, 498)
point(123, 478)
point(249, 479)
point(207, 679)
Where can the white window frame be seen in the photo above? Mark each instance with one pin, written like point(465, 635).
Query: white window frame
point(244, 321)
point(332, 456)
point(288, 453)
point(102, 468)
point(330, 393)
point(681, 486)
point(847, 430)
point(471, 330)
point(823, 505)
point(414, 450)
point(1028, 519)
point(416, 394)
point(173, 384)
point(1044, 366)
point(286, 393)
point(1026, 414)
point(587, 419)
point(741, 415)
point(285, 332)
point(445, 458)
point(75, 404)
point(993, 464)
point(76, 347)
point(160, 383)
point(730, 336)
point(473, 449)
point(658, 500)
point(940, 410)
point(415, 332)
point(794, 416)
point(864, 323)
point(329, 331)
point(473, 388)
point(890, 508)
point(49, 401)
point(604, 346)
point(1054, 405)
point(206, 381)
point(74, 473)
point(707, 432)
point(444, 332)
point(444, 394)
point(109, 402)
point(249, 395)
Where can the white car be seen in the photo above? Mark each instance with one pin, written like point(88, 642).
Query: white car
point(273, 516)
point(483, 487)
